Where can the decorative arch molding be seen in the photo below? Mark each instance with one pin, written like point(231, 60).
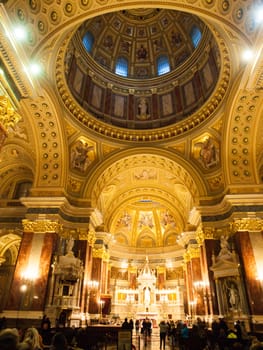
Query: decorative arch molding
point(52, 157)
point(242, 146)
point(169, 200)
point(11, 175)
point(71, 13)
point(46, 33)
point(11, 242)
point(182, 171)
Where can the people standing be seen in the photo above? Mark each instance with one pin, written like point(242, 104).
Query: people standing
point(137, 326)
point(184, 337)
point(163, 326)
point(125, 324)
point(131, 324)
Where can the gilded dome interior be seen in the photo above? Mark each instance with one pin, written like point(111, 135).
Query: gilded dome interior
point(141, 35)
point(142, 68)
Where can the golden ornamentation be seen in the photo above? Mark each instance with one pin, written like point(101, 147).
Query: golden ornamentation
point(200, 236)
point(8, 116)
point(204, 233)
point(191, 253)
point(83, 235)
point(41, 226)
point(139, 135)
point(247, 224)
point(161, 269)
point(132, 269)
point(92, 238)
point(100, 253)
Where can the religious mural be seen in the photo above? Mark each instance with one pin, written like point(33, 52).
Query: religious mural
point(206, 152)
point(82, 154)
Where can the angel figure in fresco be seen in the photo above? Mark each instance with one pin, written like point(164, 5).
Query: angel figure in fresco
point(208, 152)
point(79, 156)
point(146, 219)
point(125, 220)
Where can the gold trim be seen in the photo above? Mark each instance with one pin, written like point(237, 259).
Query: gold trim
point(191, 253)
point(91, 238)
point(41, 226)
point(247, 224)
point(8, 116)
point(100, 253)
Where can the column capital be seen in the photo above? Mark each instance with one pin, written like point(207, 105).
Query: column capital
point(91, 237)
point(100, 253)
point(41, 226)
point(203, 233)
point(161, 269)
point(191, 253)
point(247, 224)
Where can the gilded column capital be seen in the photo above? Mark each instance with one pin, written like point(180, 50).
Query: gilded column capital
point(247, 224)
point(161, 269)
point(132, 269)
point(91, 237)
point(191, 253)
point(8, 116)
point(83, 235)
point(100, 253)
point(203, 233)
point(41, 226)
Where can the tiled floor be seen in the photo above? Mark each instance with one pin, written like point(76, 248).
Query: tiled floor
point(151, 343)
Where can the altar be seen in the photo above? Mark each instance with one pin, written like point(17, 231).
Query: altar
point(152, 316)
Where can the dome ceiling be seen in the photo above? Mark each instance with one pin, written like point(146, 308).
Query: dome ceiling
point(142, 69)
point(140, 37)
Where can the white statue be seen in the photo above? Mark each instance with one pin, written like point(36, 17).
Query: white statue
point(233, 295)
point(225, 250)
point(147, 296)
point(70, 245)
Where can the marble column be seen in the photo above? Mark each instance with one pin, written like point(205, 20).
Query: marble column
point(248, 234)
point(29, 287)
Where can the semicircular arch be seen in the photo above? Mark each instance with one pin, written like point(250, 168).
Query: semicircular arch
point(10, 242)
point(179, 169)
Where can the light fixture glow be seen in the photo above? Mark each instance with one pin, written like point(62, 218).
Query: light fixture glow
point(20, 33)
point(258, 15)
point(30, 273)
point(23, 288)
point(247, 55)
point(35, 68)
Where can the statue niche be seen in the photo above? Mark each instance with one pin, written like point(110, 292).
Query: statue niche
point(229, 286)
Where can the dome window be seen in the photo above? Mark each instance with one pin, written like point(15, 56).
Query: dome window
point(88, 41)
point(196, 35)
point(122, 67)
point(163, 65)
